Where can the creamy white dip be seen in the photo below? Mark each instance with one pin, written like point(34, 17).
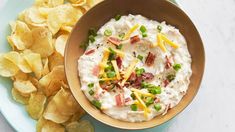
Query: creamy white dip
point(171, 91)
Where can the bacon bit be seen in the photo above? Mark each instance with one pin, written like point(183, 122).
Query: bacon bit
point(127, 99)
point(166, 82)
point(138, 81)
point(134, 39)
point(120, 99)
point(132, 77)
point(147, 76)
point(96, 71)
point(114, 40)
point(168, 63)
point(119, 62)
point(150, 59)
point(90, 52)
point(157, 100)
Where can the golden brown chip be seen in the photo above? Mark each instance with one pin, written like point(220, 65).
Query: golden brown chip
point(20, 76)
point(81, 126)
point(35, 62)
point(45, 69)
point(36, 105)
point(52, 81)
point(18, 60)
point(42, 42)
point(18, 97)
point(7, 68)
point(60, 44)
point(21, 36)
point(44, 125)
point(55, 59)
point(24, 87)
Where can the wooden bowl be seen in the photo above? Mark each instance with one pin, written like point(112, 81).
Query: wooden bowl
point(160, 10)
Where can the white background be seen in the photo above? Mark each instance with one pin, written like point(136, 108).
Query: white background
point(213, 109)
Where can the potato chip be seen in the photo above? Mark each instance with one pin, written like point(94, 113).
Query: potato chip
point(63, 15)
point(33, 16)
point(44, 125)
point(51, 83)
point(49, 3)
point(36, 105)
point(65, 99)
point(78, 2)
point(20, 76)
point(42, 41)
point(55, 59)
point(24, 87)
point(18, 97)
point(81, 126)
point(35, 62)
point(45, 69)
point(21, 36)
point(66, 28)
point(18, 60)
point(21, 15)
point(7, 68)
point(35, 82)
point(60, 44)
point(44, 11)
point(52, 113)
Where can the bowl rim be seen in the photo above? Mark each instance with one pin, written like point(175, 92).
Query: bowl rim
point(143, 127)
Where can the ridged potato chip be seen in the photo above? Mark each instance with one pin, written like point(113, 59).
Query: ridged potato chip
point(81, 126)
point(24, 87)
point(60, 44)
point(33, 17)
point(45, 69)
point(35, 62)
point(49, 3)
point(20, 76)
point(36, 105)
point(18, 60)
point(44, 125)
point(55, 59)
point(21, 36)
point(62, 15)
point(51, 83)
point(7, 68)
point(42, 42)
point(18, 97)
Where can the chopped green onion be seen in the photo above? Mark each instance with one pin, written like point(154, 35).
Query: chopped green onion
point(90, 85)
point(101, 82)
point(111, 74)
point(157, 107)
point(155, 90)
point(111, 50)
point(144, 35)
point(139, 71)
point(84, 45)
point(159, 28)
point(171, 77)
point(119, 46)
point(92, 31)
point(107, 32)
point(121, 36)
point(143, 29)
point(144, 85)
point(134, 107)
point(91, 92)
point(91, 38)
point(177, 67)
point(112, 54)
point(109, 68)
point(118, 17)
point(133, 96)
point(140, 57)
point(96, 103)
point(149, 101)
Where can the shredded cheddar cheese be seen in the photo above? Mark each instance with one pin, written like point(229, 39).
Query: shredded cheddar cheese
point(128, 34)
point(169, 41)
point(141, 102)
point(142, 93)
point(116, 69)
point(129, 70)
point(160, 42)
point(108, 79)
point(120, 53)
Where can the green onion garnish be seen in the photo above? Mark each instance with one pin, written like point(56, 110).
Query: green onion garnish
point(118, 17)
point(149, 101)
point(140, 57)
point(91, 38)
point(107, 32)
point(159, 28)
point(171, 77)
point(139, 71)
point(143, 29)
point(155, 90)
point(91, 92)
point(92, 31)
point(144, 35)
point(177, 67)
point(121, 36)
point(96, 103)
point(111, 74)
point(133, 96)
point(157, 107)
point(119, 46)
point(90, 85)
point(134, 107)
